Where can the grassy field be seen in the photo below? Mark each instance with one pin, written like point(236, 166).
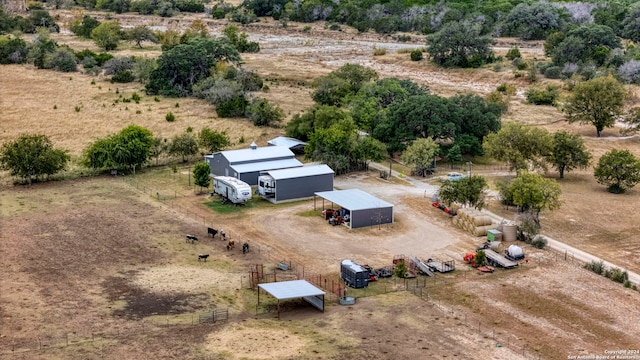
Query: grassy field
point(101, 262)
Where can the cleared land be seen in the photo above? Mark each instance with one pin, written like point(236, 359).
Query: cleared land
point(102, 265)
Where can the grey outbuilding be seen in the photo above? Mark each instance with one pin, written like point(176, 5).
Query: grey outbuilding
point(295, 183)
point(246, 164)
point(358, 208)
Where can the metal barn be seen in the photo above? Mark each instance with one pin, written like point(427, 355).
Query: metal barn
point(295, 183)
point(294, 145)
point(246, 164)
point(363, 209)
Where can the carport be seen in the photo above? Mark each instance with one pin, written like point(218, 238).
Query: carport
point(294, 289)
point(363, 208)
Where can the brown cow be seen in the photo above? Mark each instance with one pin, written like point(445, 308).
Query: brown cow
point(231, 244)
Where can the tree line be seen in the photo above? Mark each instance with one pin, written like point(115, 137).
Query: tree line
point(32, 157)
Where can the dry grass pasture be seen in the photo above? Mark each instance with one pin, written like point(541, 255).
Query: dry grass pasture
point(98, 267)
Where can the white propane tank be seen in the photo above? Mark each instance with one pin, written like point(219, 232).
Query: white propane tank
point(515, 251)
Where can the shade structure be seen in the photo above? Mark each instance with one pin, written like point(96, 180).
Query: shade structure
point(285, 290)
point(363, 208)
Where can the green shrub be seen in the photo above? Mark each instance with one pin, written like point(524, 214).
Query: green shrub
point(546, 96)
point(400, 270)
point(618, 275)
point(124, 76)
point(539, 242)
point(335, 27)
point(519, 64)
point(595, 266)
point(235, 107)
point(506, 89)
point(135, 97)
point(62, 60)
point(379, 51)
point(513, 53)
point(306, 29)
point(416, 55)
point(553, 72)
point(404, 38)
point(170, 117)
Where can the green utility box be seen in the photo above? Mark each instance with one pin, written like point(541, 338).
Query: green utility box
point(494, 235)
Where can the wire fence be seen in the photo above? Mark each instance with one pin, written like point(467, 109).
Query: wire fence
point(78, 337)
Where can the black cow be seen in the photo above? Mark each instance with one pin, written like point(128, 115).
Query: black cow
point(203, 257)
point(192, 238)
point(245, 248)
point(212, 232)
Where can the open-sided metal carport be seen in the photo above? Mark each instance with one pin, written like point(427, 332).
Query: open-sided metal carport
point(294, 289)
point(363, 208)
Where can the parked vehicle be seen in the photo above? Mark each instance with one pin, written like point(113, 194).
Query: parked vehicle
point(231, 189)
point(353, 274)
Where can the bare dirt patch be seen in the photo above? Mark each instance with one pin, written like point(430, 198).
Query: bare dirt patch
point(168, 279)
point(255, 342)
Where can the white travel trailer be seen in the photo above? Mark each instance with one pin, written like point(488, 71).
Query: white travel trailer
point(232, 189)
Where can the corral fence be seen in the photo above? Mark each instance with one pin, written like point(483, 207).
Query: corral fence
point(214, 316)
point(334, 289)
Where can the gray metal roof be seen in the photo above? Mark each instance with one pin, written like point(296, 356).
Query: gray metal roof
point(354, 199)
point(261, 153)
point(298, 172)
point(285, 141)
point(266, 165)
point(291, 289)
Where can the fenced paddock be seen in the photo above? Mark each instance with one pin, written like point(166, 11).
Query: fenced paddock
point(124, 332)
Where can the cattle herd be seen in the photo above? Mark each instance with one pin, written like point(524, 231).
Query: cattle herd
point(231, 244)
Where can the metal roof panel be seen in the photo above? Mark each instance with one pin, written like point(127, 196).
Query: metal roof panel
point(261, 153)
point(298, 172)
point(266, 165)
point(291, 289)
point(354, 199)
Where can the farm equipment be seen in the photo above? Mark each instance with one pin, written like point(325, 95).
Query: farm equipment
point(336, 220)
point(384, 272)
point(496, 259)
point(441, 266)
point(442, 207)
point(373, 276)
point(514, 252)
point(422, 267)
point(328, 213)
point(232, 190)
point(470, 258)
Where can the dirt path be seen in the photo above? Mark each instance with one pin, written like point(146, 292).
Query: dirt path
point(553, 244)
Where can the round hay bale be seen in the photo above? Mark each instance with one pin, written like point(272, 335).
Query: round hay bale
point(487, 220)
point(481, 220)
point(455, 220)
point(480, 231)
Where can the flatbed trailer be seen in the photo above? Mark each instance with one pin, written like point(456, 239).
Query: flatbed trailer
point(442, 267)
point(496, 259)
point(422, 266)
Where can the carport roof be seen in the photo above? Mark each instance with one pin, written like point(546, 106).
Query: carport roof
point(291, 289)
point(354, 199)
